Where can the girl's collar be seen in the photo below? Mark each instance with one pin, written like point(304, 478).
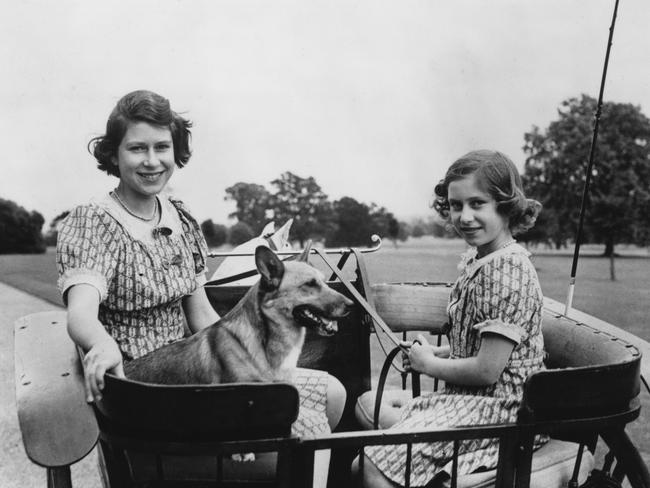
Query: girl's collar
point(469, 259)
point(168, 224)
point(505, 244)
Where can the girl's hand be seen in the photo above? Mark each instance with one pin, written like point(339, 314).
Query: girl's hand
point(406, 362)
point(406, 347)
point(421, 354)
point(102, 357)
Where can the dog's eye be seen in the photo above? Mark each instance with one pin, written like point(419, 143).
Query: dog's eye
point(313, 283)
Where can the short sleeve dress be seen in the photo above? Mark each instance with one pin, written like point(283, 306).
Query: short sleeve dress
point(142, 274)
point(497, 294)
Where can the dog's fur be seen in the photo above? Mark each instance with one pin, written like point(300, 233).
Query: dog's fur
point(260, 339)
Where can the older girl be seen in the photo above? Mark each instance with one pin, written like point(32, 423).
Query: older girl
point(495, 313)
point(132, 263)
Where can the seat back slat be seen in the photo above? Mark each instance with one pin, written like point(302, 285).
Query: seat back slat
point(197, 412)
point(590, 373)
point(410, 307)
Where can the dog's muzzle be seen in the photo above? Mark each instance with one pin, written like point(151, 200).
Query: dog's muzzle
point(311, 317)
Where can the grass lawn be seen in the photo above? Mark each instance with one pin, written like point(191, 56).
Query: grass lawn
point(624, 302)
point(33, 273)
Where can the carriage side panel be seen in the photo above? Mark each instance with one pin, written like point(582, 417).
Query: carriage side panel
point(58, 427)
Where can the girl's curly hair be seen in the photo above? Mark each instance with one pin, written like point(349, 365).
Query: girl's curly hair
point(499, 177)
point(140, 106)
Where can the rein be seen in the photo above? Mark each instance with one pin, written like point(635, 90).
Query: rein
point(361, 300)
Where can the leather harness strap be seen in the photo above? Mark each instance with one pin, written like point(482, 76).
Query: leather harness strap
point(362, 301)
point(240, 276)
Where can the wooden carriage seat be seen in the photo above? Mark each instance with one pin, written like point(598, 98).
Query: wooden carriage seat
point(574, 352)
point(147, 433)
point(150, 433)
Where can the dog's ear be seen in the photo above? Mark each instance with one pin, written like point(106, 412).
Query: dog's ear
point(304, 257)
point(270, 267)
point(283, 235)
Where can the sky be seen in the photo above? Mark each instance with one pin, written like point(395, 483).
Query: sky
point(372, 98)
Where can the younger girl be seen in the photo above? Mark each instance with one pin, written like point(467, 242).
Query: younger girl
point(495, 313)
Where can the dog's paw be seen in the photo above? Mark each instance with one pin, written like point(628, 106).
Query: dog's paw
point(247, 457)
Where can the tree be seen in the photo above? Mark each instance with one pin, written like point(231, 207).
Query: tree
point(314, 216)
point(397, 231)
point(215, 234)
point(20, 230)
point(253, 204)
point(393, 229)
point(440, 229)
point(384, 224)
point(619, 197)
point(303, 200)
point(240, 233)
point(417, 231)
point(352, 224)
point(433, 225)
point(52, 233)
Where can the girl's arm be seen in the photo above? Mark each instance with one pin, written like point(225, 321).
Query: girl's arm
point(480, 370)
point(198, 310)
point(102, 352)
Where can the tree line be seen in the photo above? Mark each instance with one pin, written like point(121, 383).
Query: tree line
point(618, 205)
point(343, 222)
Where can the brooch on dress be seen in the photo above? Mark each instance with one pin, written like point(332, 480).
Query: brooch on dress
point(161, 231)
point(176, 260)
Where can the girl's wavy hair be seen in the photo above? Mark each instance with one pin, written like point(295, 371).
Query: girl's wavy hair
point(140, 106)
point(497, 176)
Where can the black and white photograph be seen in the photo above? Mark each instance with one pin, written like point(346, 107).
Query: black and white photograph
point(325, 243)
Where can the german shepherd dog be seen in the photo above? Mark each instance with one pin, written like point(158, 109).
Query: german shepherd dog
point(260, 339)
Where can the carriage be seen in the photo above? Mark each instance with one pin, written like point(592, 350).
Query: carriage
point(155, 435)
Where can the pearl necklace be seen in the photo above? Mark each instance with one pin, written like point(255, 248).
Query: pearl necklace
point(115, 195)
point(507, 243)
point(502, 246)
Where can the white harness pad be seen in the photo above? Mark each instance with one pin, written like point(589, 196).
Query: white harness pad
point(234, 265)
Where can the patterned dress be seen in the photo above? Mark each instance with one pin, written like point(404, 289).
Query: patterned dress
point(497, 294)
point(142, 275)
